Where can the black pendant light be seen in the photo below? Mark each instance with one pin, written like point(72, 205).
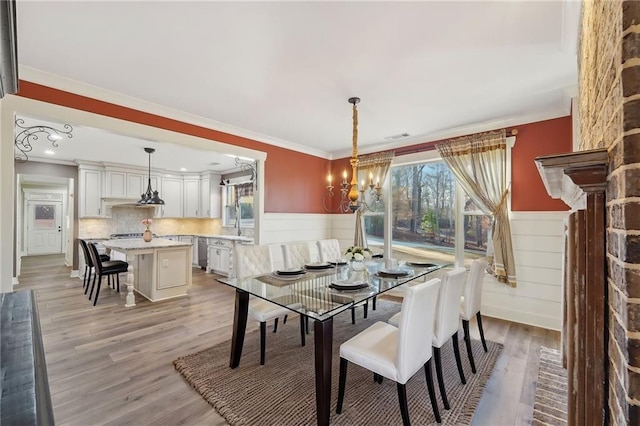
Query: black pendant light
point(150, 197)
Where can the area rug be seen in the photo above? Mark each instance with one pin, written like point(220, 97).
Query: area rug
point(282, 392)
point(550, 404)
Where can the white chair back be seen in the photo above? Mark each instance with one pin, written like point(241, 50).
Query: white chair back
point(448, 306)
point(473, 290)
point(277, 256)
point(252, 260)
point(414, 344)
point(329, 250)
point(296, 254)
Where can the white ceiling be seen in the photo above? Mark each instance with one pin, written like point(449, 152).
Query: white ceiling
point(282, 71)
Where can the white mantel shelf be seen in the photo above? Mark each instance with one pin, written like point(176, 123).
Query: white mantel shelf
point(159, 269)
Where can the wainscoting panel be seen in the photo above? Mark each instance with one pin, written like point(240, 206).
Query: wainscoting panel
point(537, 300)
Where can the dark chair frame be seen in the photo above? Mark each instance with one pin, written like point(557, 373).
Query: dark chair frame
point(112, 267)
point(89, 265)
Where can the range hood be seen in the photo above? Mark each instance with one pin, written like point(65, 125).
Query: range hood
point(123, 202)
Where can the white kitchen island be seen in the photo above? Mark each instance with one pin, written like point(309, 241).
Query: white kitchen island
point(159, 269)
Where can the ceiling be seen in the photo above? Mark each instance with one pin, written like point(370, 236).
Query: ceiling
point(281, 72)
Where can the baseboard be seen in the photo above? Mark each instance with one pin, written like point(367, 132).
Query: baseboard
point(14, 281)
point(74, 273)
point(521, 317)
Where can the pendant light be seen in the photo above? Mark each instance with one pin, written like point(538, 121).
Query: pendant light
point(149, 197)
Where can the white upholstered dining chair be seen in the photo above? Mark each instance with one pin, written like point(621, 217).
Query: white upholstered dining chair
point(296, 255)
point(397, 353)
point(470, 305)
point(329, 250)
point(256, 260)
point(446, 323)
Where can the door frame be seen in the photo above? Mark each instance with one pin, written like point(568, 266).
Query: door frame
point(29, 220)
point(43, 193)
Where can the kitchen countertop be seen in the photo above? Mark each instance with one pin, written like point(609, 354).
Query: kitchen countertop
point(222, 237)
point(229, 237)
point(139, 243)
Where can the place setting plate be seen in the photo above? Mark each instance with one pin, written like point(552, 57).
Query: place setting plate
point(349, 285)
point(392, 273)
point(318, 265)
point(419, 264)
point(338, 262)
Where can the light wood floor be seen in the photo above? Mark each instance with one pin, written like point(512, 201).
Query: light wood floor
point(113, 365)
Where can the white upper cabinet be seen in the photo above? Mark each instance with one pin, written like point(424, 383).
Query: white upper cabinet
point(136, 185)
point(172, 195)
point(90, 188)
point(191, 197)
point(210, 196)
point(116, 184)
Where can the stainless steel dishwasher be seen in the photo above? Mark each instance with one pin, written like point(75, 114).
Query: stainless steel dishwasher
point(203, 249)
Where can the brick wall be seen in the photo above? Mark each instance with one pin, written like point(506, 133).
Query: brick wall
point(609, 110)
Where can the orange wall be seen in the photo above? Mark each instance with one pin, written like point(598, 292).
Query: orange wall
point(293, 180)
point(533, 140)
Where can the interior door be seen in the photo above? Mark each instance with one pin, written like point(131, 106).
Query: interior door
point(44, 228)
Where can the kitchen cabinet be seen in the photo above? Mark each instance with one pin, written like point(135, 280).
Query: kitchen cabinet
point(210, 196)
point(172, 195)
point(219, 258)
point(136, 185)
point(90, 189)
point(115, 184)
point(191, 197)
point(194, 251)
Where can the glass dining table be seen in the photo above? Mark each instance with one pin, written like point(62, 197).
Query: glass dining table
point(318, 292)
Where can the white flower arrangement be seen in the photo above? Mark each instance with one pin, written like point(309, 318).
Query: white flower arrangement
point(358, 253)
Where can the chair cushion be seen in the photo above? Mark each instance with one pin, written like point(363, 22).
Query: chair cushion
point(113, 266)
point(395, 320)
point(263, 310)
point(374, 349)
point(104, 257)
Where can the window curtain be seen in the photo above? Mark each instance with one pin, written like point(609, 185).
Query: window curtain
point(479, 164)
point(372, 167)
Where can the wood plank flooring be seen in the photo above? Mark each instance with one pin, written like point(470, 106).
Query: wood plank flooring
point(113, 365)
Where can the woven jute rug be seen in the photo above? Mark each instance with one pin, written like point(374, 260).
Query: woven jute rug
point(550, 404)
point(282, 392)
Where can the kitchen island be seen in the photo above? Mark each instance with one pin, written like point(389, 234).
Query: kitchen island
point(159, 269)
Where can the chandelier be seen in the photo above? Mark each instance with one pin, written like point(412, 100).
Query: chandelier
point(353, 198)
point(149, 197)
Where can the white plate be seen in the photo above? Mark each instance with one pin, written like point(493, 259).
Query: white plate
point(288, 272)
point(318, 265)
point(287, 277)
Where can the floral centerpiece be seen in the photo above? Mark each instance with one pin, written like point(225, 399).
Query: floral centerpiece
point(357, 255)
point(147, 235)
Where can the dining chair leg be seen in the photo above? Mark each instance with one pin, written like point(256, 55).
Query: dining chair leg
point(98, 290)
point(378, 378)
point(275, 325)
point(484, 343)
point(84, 277)
point(93, 284)
point(302, 329)
point(118, 280)
point(353, 315)
point(467, 341)
point(374, 303)
point(432, 391)
point(443, 392)
point(402, 399)
point(86, 289)
point(342, 381)
point(366, 308)
point(456, 352)
point(263, 340)
point(284, 320)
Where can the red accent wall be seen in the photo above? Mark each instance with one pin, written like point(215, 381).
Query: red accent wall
point(533, 140)
point(293, 180)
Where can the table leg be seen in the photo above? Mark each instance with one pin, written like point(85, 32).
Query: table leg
point(323, 337)
point(131, 298)
point(239, 327)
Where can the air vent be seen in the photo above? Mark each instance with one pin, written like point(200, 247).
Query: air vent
point(395, 137)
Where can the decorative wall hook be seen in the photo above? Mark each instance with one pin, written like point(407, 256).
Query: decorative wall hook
point(29, 134)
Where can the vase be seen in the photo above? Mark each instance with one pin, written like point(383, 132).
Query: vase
point(147, 235)
point(357, 265)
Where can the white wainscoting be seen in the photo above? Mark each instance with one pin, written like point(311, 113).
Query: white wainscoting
point(537, 243)
point(537, 299)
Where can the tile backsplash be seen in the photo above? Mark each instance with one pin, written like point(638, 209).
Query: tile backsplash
point(129, 220)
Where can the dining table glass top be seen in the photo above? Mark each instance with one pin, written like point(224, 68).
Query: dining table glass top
point(320, 291)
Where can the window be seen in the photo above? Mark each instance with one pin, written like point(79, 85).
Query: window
point(238, 201)
point(426, 207)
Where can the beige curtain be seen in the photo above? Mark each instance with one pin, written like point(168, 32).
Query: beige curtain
point(371, 167)
point(479, 163)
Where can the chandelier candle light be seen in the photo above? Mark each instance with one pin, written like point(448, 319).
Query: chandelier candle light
point(353, 197)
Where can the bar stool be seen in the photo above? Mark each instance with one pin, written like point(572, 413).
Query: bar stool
point(88, 264)
point(111, 267)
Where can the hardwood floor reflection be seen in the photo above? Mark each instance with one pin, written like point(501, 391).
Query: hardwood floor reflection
point(113, 365)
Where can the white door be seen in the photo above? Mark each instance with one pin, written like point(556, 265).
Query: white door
point(44, 227)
